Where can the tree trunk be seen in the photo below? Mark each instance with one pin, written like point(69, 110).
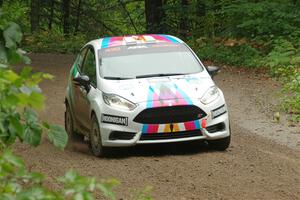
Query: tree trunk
point(52, 3)
point(66, 16)
point(183, 24)
point(154, 16)
point(78, 16)
point(128, 15)
point(34, 15)
point(200, 8)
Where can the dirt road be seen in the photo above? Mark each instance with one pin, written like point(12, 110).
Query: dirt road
point(254, 167)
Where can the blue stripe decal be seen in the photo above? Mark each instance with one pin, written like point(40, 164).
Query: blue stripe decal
point(197, 124)
point(150, 97)
point(144, 130)
point(170, 38)
point(105, 42)
point(184, 96)
point(149, 105)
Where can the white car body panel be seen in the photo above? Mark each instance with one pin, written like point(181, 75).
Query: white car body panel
point(193, 86)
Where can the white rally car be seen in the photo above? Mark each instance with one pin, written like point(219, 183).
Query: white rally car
point(143, 89)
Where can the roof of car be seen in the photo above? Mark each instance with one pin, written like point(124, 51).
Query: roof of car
point(136, 40)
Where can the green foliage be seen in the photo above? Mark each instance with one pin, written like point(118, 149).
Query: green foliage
point(82, 187)
point(284, 63)
point(17, 183)
point(17, 11)
point(10, 36)
point(20, 95)
point(230, 52)
point(43, 42)
point(261, 19)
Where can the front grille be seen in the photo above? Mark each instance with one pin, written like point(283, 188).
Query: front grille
point(216, 127)
point(171, 114)
point(174, 135)
point(119, 135)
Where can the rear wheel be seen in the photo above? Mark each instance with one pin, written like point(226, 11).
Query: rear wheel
point(95, 139)
point(69, 125)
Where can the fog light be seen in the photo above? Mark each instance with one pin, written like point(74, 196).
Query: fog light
point(203, 123)
point(218, 111)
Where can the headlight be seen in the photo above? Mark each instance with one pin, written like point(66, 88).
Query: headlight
point(118, 102)
point(210, 95)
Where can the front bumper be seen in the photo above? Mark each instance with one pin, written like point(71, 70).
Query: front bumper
point(137, 128)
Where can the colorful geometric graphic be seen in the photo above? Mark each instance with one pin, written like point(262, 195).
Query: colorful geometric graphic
point(120, 41)
point(169, 94)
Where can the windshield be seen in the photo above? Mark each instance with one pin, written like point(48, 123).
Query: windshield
point(141, 61)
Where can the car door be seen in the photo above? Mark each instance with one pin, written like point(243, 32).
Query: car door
point(76, 88)
point(89, 69)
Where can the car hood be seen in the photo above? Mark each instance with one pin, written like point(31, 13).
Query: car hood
point(179, 88)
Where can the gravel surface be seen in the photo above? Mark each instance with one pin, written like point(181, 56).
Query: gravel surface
point(263, 161)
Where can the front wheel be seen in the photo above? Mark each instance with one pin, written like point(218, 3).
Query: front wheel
point(95, 139)
point(220, 144)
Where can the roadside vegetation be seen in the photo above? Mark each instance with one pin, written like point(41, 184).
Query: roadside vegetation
point(241, 33)
point(20, 98)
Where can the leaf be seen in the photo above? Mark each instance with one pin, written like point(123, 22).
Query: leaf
point(26, 71)
point(35, 177)
point(3, 54)
point(10, 101)
point(46, 125)
point(11, 76)
point(58, 136)
point(26, 59)
point(48, 76)
point(33, 134)
point(83, 196)
point(36, 100)
point(16, 127)
point(13, 56)
point(30, 116)
point(107, 187)
point(2, 65)
point(9, 157)
point(12, 35)
point(32, 193)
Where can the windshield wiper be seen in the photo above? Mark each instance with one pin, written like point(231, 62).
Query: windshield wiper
point(115, 78)
point(155, 75)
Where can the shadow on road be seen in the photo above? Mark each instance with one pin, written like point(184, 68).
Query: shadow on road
point(147, 150)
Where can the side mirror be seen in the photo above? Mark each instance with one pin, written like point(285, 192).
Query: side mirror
point(213, 70)
point(83, 81)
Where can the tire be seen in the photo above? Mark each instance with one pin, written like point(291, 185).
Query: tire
point(95, 140)
point(69, 125)
point(220, 144)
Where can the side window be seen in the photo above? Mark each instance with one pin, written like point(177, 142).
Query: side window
point(80, 59)
point(89, 66)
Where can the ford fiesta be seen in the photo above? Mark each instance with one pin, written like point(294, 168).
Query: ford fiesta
point(142, 89)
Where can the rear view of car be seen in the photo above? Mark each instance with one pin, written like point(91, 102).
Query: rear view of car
point(124, 91)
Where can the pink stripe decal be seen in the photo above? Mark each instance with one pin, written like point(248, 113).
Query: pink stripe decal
point(152, 128)
point(160, 38)
point(115, 41)
point(189, 126)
